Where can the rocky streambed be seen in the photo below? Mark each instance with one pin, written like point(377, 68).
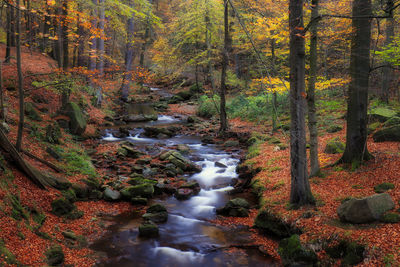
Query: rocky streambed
point(185, 180)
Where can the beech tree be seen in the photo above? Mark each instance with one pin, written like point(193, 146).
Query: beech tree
point(300, 193)
point(356, 133)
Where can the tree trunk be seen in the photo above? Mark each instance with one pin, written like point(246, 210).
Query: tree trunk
point(225, 59)
point(312, 113)
point(46, 31)
point(208, 43)
point(10, 19)
point(300, 193)
point(356, 135)
point(387, 72)
point(20, 80)
point(2, 107)
point(81, 44)
point(100, 41)
point(93, 45)
point(146, 38)
point(129, 56)
point(274, 94)
point(64, 34)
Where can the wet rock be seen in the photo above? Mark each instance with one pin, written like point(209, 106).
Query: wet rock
point(31, 112)
point(111, 195)
point(184, 193)
point(139, 118)
point(237, 207)
point(77, 123)
point(334, 146)
point(149, 172)
point(156, 213)
point(148, 230)
point(193, 186)
point(142, 190)
point(365, 210)
point(151, 131)
point(176, 158)
point(388, 134)
point(220, 165)
point(127, 150)
point(184, 149)
point(208, 140)
point(294, 254)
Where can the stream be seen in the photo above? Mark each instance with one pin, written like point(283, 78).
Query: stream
point(188, 238)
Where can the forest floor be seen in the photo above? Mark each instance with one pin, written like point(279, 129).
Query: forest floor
point(28, 240)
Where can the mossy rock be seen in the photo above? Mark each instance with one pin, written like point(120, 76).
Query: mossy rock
point(142, 190)
point(81, 191)
point(74, 214)
point(92, 183)
point(62, 206)
point(388, 134)
point(55, 255)
point(231, 143)
point(294, 254)
point(350, 252)
point(381, 188)
point(139, 201)
point(381, 114)
point(373, 126)
point(31, 112)
point(391, 217)
point(77, 123)
point(274, 140)
point(185, 95)
point(334, 146)
point(70, 235)
point(148, 230)
point(156, 217)
point(392, 122)
point(272, 224)
point(156, 208)
point(70, 195)
point(334, 128)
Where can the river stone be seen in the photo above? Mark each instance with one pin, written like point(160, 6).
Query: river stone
point(148, 230)
point(184, 193)
point(184, 149)
point(143, 190)
point(111, 195)
point(365, 210)
point(131, 152)
point(156, 208)
point(387, 134)
point(143, 161)
point(77, 123)
point(231, 143)
point(192, 185)
point(158, 217)
point(220, 165)
point(237, 207)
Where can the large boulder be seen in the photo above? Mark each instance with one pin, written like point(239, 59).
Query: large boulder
point(77, 123)
point(111, 195)
point(388, 134)
point(365, 210)
point(62, 206)
point(156, 213)
point(237, 207)
point(381, 114)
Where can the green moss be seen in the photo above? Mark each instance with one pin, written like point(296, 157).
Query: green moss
point(273, 224)
point(55, 255)
point(350, 252)
point(6, 255)
point(62, 206)
point(18, 212)
point(77, 161)
point(293, 253)
point(334, 146)
point(391, 217)
point(381, 188)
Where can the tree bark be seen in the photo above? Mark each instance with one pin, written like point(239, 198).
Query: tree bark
point(312, 113)
point(208, 43)
point(20, 80)
point(387, 72)
point(300, 193)
point(225, 59)
point(2, 107)
point(100, 41)
point(64, 33)
point(10, 21)
point(81, 44)
point(46, 31)
point(93, 45)
point(129, 56)
point(356, 135)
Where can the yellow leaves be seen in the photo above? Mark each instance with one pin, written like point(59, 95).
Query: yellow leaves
point(51, 2)
point(274, 84)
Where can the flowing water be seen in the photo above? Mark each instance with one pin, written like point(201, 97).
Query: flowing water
point(187, 238)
